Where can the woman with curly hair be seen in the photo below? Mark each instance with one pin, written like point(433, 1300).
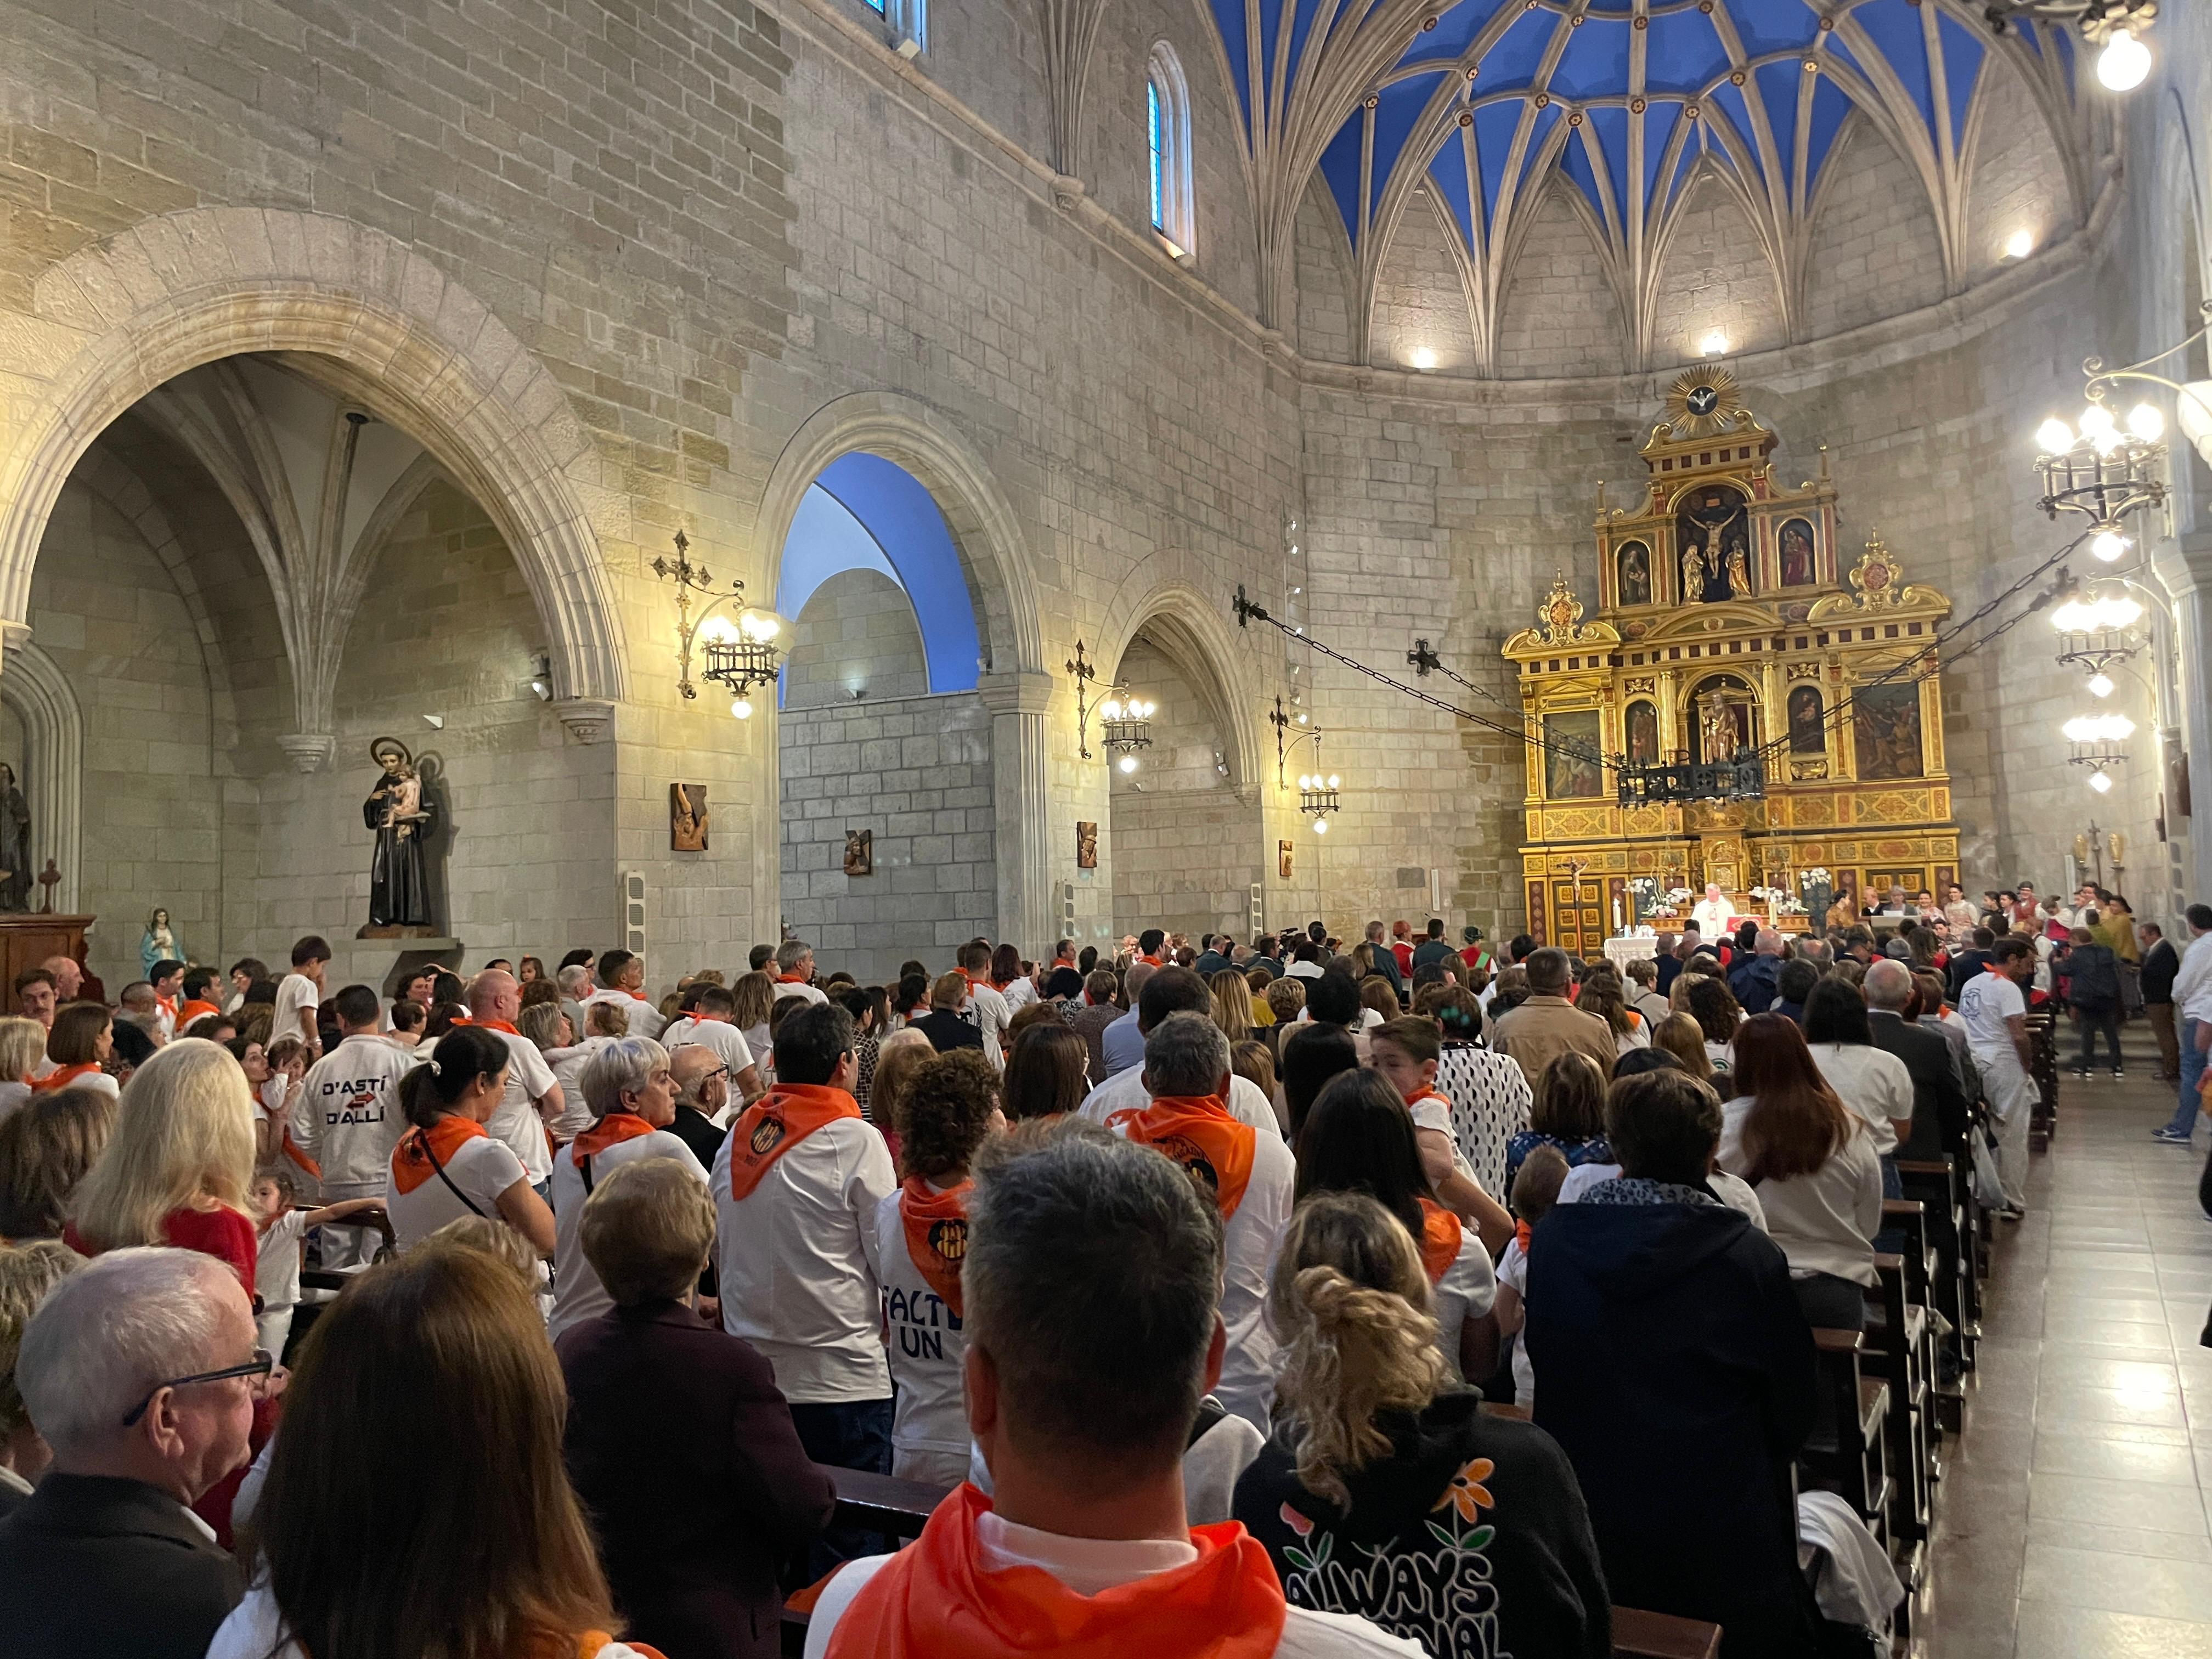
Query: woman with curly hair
point(1379, 1457)
point(946, 1110)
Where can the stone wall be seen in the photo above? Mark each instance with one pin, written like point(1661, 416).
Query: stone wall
point(917, 773)
point(857, 639)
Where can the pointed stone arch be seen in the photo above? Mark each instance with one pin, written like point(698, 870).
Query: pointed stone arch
point(1205, 647)
point(33, 685)
point(122, 316)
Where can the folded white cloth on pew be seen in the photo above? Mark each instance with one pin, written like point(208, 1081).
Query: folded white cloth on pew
point(1852, 1580)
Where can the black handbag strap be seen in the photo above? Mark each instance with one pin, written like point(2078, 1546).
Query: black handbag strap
point(443, 1177)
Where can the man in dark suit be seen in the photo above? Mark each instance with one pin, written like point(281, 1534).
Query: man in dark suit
point(1939, 1104)
point(144, 1414)
point(1386, 959)
point(1966, 963)
point(702, 1088)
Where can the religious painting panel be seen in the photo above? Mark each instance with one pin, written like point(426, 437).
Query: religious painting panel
point(1640, 732)
point(1712, 537)
point(1632, 573)
point(1808, 732)
point(687, 817)
point(1886, 726)
point(1797, 556)
point(1574, 767)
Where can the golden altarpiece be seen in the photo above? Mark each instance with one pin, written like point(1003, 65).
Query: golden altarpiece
point(1727, 629)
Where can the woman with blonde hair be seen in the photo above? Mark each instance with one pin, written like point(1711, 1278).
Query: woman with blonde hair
point(27, 1272)
point(1232, 1004)
point(480, 1547)
point(1380, 1459)
point(755, 996)
point(22, 1044)
point(179, 1167)
point(897, 1058)
point(1603, 995)
point(1680, 1035)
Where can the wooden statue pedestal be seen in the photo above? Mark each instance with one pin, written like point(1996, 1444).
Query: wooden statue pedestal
point(28, 939)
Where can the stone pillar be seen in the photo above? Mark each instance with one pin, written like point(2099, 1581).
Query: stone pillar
point(1019, 702)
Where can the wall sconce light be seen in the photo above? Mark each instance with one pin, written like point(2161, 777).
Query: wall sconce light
point(2019, 245)
point(1317, 791)
point(741, 652)
point(1715, 344)
point(1126, 724)
point(541, 677)
point(1423, 360)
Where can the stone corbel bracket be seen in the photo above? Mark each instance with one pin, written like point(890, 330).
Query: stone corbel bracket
point(308, 751)
point(587, 718)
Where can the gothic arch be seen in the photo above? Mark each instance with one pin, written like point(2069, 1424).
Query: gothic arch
point(1189, 628)
point(370, 314)
point(32, 685)
point(906, 430)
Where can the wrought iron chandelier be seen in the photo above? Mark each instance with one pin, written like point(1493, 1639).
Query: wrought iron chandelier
point(740, 652)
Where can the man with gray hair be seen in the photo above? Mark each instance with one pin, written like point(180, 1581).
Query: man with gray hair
point(140, 1369)
point(1247, 1176)
point(532, 1099)
point(576, 984)
point(1939, 1104)
point(794, 971)
point(1090, 1289)
point(1386, 959)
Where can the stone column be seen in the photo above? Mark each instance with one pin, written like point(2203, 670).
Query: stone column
point(1019, 702)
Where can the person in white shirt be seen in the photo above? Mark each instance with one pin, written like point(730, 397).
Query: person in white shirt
point(708, 1023)
point(798, 1185)
point(1995, 1013)
point(794, 972)
point(1016, 988)
point(1251, 1176)
point(549, 1032)
point(1170, 991)
point(947, 1109)
point(300, 993)
point(626, 1086)
point(2192, 1007)
point(1092, 1277)
point(1872, 1082)
point(985, 1009)
point(533, 1100)
point(347, 1118)
point(283, 1230)
point(445, 1166)
point(1812, 1162)
point(1712, 913)
point(623, 974)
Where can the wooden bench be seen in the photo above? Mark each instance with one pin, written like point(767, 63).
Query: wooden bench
point(881, 1502)
point(1854, 1462)
point(1946, 1201)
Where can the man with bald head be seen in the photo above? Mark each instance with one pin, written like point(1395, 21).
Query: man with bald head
point(532, 1099)
point(1939, 1104)
point(68, 977)
point(702, 1081)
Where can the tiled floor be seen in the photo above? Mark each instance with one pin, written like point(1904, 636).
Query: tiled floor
point(2072, 1516)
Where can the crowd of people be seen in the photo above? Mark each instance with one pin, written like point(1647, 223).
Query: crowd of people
point(1186, 1266)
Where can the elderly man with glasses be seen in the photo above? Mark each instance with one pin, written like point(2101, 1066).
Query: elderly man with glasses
point(140, 1371)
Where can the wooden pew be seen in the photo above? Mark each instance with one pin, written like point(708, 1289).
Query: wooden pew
point(2043, 1045)
point(1854, 1461)
point(1945, 1193)
point(881, 1502)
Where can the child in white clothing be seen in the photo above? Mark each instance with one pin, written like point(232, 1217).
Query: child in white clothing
point(1535, 1189)
point(284, 1232)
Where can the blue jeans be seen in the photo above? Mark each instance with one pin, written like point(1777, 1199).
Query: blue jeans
point(846, 1434)
point(2192, 1068)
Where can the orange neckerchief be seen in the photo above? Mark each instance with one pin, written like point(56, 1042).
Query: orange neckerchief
point(935, 1600)
point(1440, 1239)
point(411, 1159)
point(167, 1006)
point(1198, 1133)
point(490, 1025)
point(62, 1076)
point(1422, 1094)
point(1521, 1234)
point(292, 1150)
point(196, 1009)
point(936, 1235)
point(612, 1130)
point(791, 979)
point(592, 1642)
point(1149, 961)
point(775, 1123)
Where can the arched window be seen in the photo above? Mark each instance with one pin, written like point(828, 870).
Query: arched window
point(1167, 127)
